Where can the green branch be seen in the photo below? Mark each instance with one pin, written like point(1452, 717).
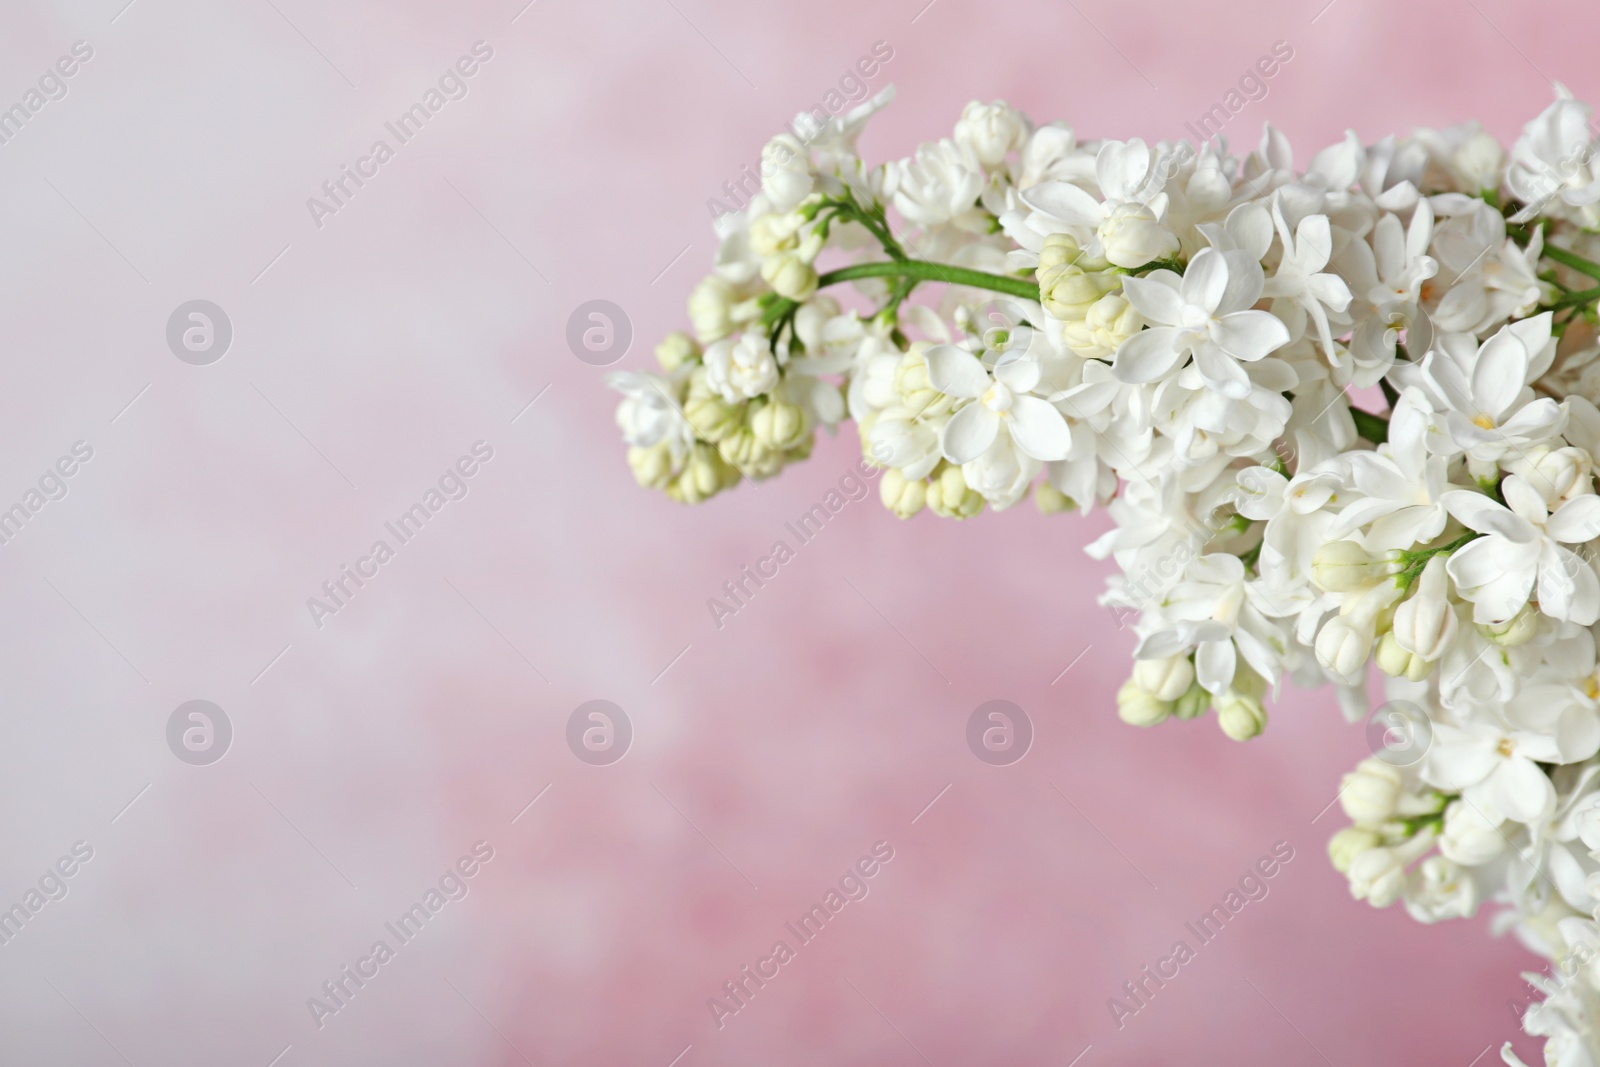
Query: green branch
point(1569, 259)
point(923, 271)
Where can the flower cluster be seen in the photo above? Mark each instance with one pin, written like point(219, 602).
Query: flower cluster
point(1341, 414)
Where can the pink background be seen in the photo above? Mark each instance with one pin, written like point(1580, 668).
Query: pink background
point(773, 753)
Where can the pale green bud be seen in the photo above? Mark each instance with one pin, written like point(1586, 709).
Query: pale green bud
point(1241, 715)
point(789, 275)
point(948, 495)
point(1395, 661)
point(704, 475)
point(711, 308)
point(1193, 703)
point(1069, 281)
point(911, 382)
point(779, 425)
point(652, 467)
point(773, 233)
point(1140, 707)
point(1347, 844)
point(1052, 501)
point(745, 451)
point(1344, 567)
point(712, 417)
point(1167, 678)
point(1109, 322)
point(901, 495)
point(675, 350)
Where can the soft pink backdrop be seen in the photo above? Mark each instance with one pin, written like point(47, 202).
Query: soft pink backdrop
point(772, 753)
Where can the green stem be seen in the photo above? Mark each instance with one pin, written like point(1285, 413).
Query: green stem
point(1416, 561)
point(1577, 299)
point(924, 271)
point(1569, 259)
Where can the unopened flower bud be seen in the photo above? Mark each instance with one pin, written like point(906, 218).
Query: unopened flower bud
point(1342, 647)
point(778, 424)
point(1371, 793)
point(1069, 281)
point(786, 176)
point(1137, 706)
point(989, 131)
point(773, 232)
point(712, 417)
point(1109, 322)
point(745, 452)
point(652, 466)
point(1241, 715)
point(789, 275)
point(1344, 567)
point(1193, 703)
point(916, 392)
point(1168, 678)
point(676, 349)
point(1052, 501)
point(1377, 876)
point(901, 495)
point(1133, 237)
point(1396, 662)
point(704, 475)
point(1347, 844)
point(711, 308)
point(1425, 625)
point(1471, 833)
point(949, 496)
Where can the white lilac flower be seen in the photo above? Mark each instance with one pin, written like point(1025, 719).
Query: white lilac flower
point(1523, 553)
point(1124, 228)
point(1490, 411)
point(1000, 401)
point(1198, 344)
point(1207, 314)
point(741, 368)
point(938, 185)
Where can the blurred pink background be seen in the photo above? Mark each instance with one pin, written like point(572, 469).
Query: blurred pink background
point(767, 757)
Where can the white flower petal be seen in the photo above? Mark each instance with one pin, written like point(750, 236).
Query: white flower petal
point(1038, 429)
point(956, 372)
point(969, 433)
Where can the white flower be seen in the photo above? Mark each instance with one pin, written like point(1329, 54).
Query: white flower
point(1124, 229)
point(786, 176)
point(1377, 876)
point(649, 413)
point(1215, 612)
point(1552, 163)
point(741, 368)
point(1001, 401)
point(991, 131)
point(1489, 410)
point(1398, 486)
point(1471, 834)
point(1301, 289)
point(1494, 765)
point(1440, 890)
point(1371, 793)
point(1523, 549)
point(1205, 314)
point(937, 185)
